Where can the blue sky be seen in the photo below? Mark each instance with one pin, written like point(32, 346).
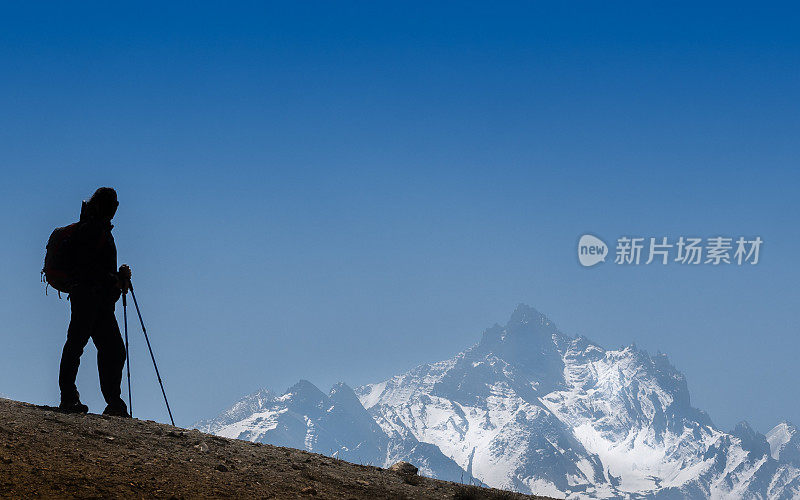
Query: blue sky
point(342, 192)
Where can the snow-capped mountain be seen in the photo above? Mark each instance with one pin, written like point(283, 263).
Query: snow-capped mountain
point(784, 443)
point(531, 409)
point(334, 424)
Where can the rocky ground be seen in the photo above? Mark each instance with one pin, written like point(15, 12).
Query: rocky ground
point(48, 454)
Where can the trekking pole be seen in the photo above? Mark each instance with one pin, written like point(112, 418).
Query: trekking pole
point(127, 355)
point(144, 330)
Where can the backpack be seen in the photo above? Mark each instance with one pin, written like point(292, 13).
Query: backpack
point(59, 259)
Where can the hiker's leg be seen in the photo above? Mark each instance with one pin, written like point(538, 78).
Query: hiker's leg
point(110, 354)
point(81, 325)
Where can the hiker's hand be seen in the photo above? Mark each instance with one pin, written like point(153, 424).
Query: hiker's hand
point(124, 278)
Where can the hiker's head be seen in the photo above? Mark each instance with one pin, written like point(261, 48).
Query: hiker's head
point(103, 203)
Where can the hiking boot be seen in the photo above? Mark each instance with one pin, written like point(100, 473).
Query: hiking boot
point(117, 410)
point(73, 407)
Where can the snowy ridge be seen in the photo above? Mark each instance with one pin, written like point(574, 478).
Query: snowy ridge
point(533, 410)
point(335, 424)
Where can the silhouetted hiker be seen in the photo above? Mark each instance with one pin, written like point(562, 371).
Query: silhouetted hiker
point(95, 286)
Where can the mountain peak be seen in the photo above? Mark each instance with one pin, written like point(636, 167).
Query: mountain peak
point(524, 314)
point(529, 342)
point(344, 394)
point(784, 427)
point(784, 442)
point(753, 442)
point(742, 427)
point(341, 386)
point(525, 321)
point(305, 389)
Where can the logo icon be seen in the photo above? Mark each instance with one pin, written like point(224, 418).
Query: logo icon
point(591, 250)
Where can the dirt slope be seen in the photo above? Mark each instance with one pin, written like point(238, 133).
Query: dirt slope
point(48, 454)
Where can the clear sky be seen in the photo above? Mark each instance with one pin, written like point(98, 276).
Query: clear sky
point(344, 191)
